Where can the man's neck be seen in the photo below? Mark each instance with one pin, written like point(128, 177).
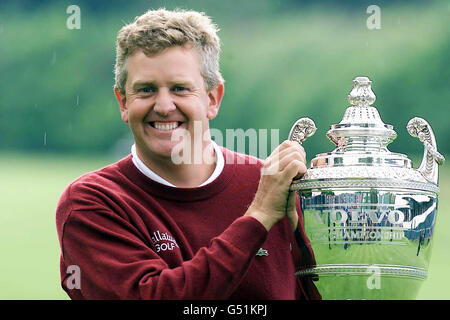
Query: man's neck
point(184, 175)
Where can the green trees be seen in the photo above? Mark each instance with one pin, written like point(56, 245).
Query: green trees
point(279, 64)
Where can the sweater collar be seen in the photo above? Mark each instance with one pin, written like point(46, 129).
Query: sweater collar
point(128, 168)
point(154, 176)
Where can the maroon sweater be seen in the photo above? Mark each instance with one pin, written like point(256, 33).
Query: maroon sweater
point(134, 238)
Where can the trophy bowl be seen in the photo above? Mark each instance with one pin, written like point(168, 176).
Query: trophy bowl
point(368, 214)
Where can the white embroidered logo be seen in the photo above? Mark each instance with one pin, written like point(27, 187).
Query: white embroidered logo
point(169, 244)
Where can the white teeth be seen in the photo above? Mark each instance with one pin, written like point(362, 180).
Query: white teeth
point(166, 126)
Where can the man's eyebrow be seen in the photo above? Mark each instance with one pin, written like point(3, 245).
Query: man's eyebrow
point(140, 83)
point(183, 82)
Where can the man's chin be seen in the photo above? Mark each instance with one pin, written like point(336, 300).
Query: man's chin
point(168, 154)
point(164, 153)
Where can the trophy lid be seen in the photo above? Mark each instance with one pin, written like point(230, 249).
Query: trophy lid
point(361, 138)
point(361, 128)
point(361, 152)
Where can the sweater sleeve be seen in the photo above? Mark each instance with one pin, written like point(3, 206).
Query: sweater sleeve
point(116, 263)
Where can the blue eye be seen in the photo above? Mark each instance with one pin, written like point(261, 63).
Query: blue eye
point(146, 90)
point(178, 88)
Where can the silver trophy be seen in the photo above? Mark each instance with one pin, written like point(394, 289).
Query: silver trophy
point(368, 213)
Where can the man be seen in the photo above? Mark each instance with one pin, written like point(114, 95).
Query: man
point(153, 227)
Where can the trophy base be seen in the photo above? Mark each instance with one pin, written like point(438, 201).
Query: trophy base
point(366, 282)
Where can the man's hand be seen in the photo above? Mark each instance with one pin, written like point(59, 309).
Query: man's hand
point(273, 200)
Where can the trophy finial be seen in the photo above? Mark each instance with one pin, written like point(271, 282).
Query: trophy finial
point(361, 94)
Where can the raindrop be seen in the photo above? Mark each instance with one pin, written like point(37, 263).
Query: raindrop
point(53, 61)
point(45, 138)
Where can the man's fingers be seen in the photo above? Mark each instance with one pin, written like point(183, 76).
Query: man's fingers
point(293, 149)
point(293, 156)
point(279, 166)
point(285, 150)
point(295, 169)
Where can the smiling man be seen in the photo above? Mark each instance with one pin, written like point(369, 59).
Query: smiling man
point(165, 93)
point(149, 227)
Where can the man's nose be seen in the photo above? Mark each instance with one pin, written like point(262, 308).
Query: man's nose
point(164, 103)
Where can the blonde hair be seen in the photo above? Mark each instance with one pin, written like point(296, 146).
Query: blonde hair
point(157, 30)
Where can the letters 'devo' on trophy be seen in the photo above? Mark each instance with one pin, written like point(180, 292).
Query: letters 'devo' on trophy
point(369, 215)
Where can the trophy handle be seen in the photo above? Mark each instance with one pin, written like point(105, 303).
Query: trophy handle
point(302, 129)
point(418, 127)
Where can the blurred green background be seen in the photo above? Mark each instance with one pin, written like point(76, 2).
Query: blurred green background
point(281, 60)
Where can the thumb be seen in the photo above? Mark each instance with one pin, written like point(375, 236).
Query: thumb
point(290, 202)
point(291, 212)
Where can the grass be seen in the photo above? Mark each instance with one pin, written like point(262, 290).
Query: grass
point(31, 186)
point(30, 189)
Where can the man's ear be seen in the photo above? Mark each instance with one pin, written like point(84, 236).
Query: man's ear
point(122, 100)
point(215, 97)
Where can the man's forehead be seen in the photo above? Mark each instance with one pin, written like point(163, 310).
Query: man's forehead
point(177, 65)
point(173, 55)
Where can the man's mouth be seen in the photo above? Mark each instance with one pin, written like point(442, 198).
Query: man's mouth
point(165, 126)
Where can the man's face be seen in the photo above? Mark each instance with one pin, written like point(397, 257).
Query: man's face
point(166, 93)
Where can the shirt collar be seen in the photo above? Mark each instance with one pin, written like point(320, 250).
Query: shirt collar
point(220, 163)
